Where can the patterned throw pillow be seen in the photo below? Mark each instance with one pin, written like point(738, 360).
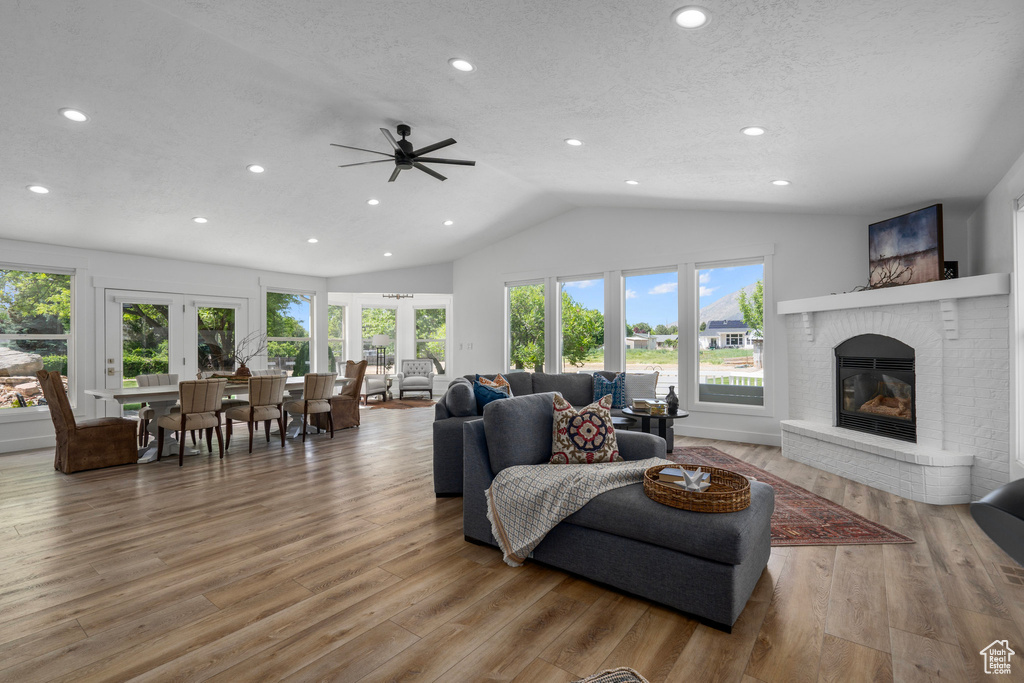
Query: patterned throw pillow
point(486, 391)
point(640, 385)
point(583, 436)
point(498, 382)
point(616, 387)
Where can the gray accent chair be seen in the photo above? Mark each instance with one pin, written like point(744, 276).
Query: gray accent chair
point(703, 564)
point(417, 375)
point(458, 405)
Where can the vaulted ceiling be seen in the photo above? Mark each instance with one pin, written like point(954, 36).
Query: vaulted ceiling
point(868, 106)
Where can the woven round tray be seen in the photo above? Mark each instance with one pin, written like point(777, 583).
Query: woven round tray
point(728, 492)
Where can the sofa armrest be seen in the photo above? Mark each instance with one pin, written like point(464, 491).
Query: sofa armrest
point(441, 410)
point(639, 446)
point(477, 478)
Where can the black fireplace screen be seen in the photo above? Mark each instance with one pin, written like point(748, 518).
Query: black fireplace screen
point(875, 382)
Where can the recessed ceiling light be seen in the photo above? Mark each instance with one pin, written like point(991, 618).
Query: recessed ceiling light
point(74, 115)
point(461, 64)
point(691, 17)
point(38, 189)
point(312, 240)
point(573, 141)
point(780, 183)
point(256, 168)
point(387, 253)
point(632, 182)
point(753, 130)
point(449, 222)
point(373, 202)
point(198, 219)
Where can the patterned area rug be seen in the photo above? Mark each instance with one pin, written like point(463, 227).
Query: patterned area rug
point(401, 404)
point(801, 517)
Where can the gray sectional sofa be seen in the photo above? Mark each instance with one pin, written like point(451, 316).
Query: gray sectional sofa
point(703, 564)
point(458, 406)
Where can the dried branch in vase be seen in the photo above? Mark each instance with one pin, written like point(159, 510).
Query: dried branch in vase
point(248, 347)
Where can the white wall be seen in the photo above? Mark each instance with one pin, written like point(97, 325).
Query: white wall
point(433, 279)
point(813, 255)
point(97, 270)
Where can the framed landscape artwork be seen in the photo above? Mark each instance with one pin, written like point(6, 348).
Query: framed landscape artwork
point(906, 249)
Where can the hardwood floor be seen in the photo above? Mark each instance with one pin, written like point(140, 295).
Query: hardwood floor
point(334, 561)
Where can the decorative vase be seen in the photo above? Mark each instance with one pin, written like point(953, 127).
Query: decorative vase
point(243, 371)
point(672, 400)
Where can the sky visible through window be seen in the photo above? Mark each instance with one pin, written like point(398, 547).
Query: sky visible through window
point(300, 311)
point(718, 282)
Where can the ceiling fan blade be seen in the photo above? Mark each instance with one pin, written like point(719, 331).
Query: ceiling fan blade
point(394, 174)
point(391, 138)
point(431, 148)
point(460, 162)
point(373, 151)
point(428, 170)
point(363, 163)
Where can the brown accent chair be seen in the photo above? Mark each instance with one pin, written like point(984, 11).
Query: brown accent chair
point(200, 401)
point(345, 406)
point(266, 403)
point(90, 444)
point(316, 394)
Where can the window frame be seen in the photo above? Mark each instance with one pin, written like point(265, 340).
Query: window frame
point(41, 412)
point(394, 341)
point(417, 340)
point(343, 340)
point(548, 305)
point(310, 338)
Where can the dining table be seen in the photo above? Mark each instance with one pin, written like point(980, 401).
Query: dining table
point(161, 398)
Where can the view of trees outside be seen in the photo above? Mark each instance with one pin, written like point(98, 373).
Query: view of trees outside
point(144, 340)
point(216, 338)
point(32, 304)
point(526, 327)
point(288, 325)
point(582, 322)
point(379, 320)
point(431, 333)
point(652, 326)
point(728, 359)
point(336, 338)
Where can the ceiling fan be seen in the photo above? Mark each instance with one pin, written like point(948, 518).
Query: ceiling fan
point(405, 157)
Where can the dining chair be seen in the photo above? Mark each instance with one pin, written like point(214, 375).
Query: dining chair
point(316, 394)
point(200, 401)
point(89, 444)
point(145, 413)
point(266, 403)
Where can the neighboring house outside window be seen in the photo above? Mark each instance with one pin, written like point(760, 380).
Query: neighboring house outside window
point(36, 333)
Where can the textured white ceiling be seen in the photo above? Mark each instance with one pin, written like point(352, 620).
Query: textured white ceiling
point(869, 106)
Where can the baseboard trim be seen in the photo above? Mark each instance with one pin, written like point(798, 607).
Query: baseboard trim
point(28, 443)
point(728, 435)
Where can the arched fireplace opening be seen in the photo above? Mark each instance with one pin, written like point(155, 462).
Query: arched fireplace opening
point(875, 387)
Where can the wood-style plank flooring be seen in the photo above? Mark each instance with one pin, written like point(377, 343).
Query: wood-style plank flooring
point(333, 561)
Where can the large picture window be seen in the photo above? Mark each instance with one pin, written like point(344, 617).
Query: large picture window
point(431, 336)
point(380, 327)
point(288, 325)
point(526, 327)
point(730, 335)
point(336, 339)
point(581, 315)
point(652, 326)
point(35, 333)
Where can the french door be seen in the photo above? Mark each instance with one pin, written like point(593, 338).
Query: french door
point(160, 332)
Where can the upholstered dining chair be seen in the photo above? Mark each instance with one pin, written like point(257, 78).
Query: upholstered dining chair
point(345, 406)
point(266, 403)
point(89, 444)
point(417, 375)
point(200, 401)
point(146, 413)
point(316, 394)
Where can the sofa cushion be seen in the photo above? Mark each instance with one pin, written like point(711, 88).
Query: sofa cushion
point(518, 431)
point(616, 388)
point(461, 399)
point(724, 537)
point(487, 393)
point(584, 436)
point(640, 385)
point(521, 382)
point(576, 388)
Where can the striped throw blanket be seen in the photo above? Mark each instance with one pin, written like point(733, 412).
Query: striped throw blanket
point(526, 501)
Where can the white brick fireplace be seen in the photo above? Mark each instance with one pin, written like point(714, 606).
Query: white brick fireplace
point(959, 330)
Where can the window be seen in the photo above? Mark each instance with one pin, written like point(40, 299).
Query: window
point(216, 342)
point(35, 333)
point(526, 327)
point(380, 326)
point(652, 326)
point(336, 338)
point(581, 312)
point(288, 325)
point(431, 333)
point(731, 337)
